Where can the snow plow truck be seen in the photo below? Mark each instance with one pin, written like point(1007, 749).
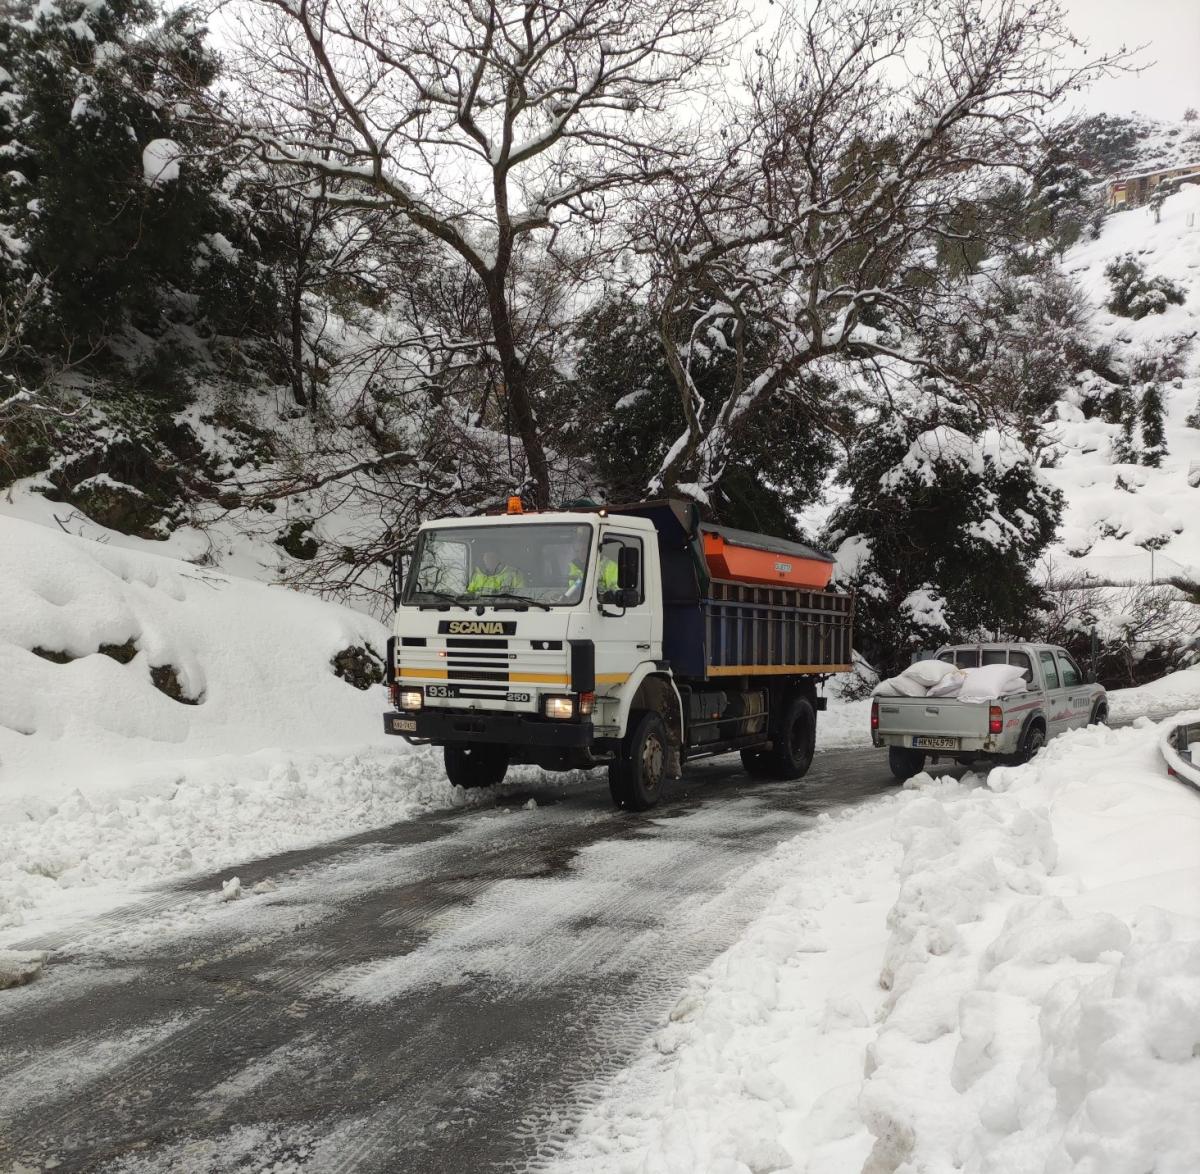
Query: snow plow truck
point(637, 637)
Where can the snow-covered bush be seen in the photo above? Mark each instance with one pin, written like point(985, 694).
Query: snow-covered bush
point(944, 520)
point(1134, 294)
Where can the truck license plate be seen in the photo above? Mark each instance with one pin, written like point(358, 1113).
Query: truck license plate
point(404, 725)
point(927, 742)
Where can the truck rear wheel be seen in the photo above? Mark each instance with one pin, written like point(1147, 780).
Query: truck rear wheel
point(905, 762)
point(476, 766)
point(636, 777)
point(794, 740)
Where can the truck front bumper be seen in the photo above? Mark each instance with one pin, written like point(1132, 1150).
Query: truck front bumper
point(454, 727)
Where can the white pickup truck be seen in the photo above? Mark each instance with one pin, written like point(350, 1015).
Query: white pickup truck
point(1012, 728)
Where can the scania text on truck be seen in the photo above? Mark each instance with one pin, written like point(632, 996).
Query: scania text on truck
point(636, 637)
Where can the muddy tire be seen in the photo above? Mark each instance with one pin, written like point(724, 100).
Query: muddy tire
point(905, 763)
point(635, 779)
point(476, 766)
point(794, 740)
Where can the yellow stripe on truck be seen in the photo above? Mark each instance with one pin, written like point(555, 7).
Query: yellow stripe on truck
point(758, 670)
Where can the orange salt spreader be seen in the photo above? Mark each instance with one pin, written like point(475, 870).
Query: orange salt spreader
point(758, 558)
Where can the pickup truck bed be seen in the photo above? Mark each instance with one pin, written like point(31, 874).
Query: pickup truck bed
point(1012, 728)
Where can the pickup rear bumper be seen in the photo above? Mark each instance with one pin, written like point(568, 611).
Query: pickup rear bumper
point(965, 744)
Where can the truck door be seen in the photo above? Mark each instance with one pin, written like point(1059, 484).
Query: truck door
point(624, 635)
point(1058, 700)
point(1076, 689)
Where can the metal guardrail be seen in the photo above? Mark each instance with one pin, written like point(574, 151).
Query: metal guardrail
point(1176, 734)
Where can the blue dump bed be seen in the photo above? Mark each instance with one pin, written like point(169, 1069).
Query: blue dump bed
point(714, 628)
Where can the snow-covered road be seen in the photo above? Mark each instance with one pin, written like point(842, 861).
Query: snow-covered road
point(450, 993)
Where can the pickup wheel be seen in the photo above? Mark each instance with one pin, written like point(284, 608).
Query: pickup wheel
point(795, 739)
point(1099, 715)
point(476, 766)
point(905, 763)
point(1034, 740)
point(635, 779)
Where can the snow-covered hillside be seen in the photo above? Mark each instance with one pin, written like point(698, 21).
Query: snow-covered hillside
point(1127, 521)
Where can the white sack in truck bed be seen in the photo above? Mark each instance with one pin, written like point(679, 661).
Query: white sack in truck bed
point(916, 680)
point(936, 678)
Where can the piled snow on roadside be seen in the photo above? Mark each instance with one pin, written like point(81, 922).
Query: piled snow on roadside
point(1169, 694)
point(106, 781)
point(1037, 1009)
point(254, 661)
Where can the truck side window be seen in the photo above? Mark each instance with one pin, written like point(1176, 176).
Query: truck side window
point(1049, 670)
point(606, 570)
point(1071, 676)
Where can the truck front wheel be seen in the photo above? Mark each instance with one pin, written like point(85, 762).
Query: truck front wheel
point(476, 766)
point(635, 778)
point(905, 762)
point(794, 740)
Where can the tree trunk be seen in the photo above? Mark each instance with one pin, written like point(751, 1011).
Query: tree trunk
point(516, 388)
point(297, 347)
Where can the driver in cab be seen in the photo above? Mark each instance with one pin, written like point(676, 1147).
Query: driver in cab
point(493, 576)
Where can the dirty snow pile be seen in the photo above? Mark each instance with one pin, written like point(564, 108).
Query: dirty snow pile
point(248, 743)
point(994, 979)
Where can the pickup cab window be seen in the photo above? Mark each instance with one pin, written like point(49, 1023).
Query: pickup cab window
point(966, 658)
point(1049, 670)
point(1021, 660)
point(995, 656)
point(1071, 676)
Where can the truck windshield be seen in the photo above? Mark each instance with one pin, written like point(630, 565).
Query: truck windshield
point(544, 563)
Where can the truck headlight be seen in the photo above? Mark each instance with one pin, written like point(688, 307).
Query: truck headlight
point(411, 698)
point(558, 707)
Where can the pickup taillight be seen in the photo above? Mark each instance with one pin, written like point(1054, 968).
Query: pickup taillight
point(995, 719)
point(874, 716)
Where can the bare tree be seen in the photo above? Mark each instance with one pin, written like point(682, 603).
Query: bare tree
point(860, 134)
point(478, 121)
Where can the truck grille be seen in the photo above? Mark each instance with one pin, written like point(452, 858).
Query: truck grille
point(482, 668)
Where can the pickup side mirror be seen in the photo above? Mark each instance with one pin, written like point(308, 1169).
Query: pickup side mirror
point(629, 569)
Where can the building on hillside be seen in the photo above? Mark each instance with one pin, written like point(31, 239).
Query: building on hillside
point(1131, 191)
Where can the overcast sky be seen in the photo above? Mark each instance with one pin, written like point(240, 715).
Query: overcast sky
point(1171, 31)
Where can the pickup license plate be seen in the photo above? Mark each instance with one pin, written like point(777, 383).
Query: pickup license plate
point(927, 742)
point(404, 725)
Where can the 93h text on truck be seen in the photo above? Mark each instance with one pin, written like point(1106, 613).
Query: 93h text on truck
point(633, 636)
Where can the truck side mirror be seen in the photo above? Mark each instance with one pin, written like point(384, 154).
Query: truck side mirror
point(397, 578)
point(629, 568)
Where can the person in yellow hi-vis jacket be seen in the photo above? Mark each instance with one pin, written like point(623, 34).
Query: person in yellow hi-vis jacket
point(493, 575)
point(606, 580)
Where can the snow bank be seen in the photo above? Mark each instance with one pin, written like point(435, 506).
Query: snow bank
point(1028, 1004)
point(106, 780)
point(1169, 694)
point(1044, 971)
point(254, 661)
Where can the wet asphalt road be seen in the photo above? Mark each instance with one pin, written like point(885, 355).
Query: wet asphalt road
point(446, 994)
